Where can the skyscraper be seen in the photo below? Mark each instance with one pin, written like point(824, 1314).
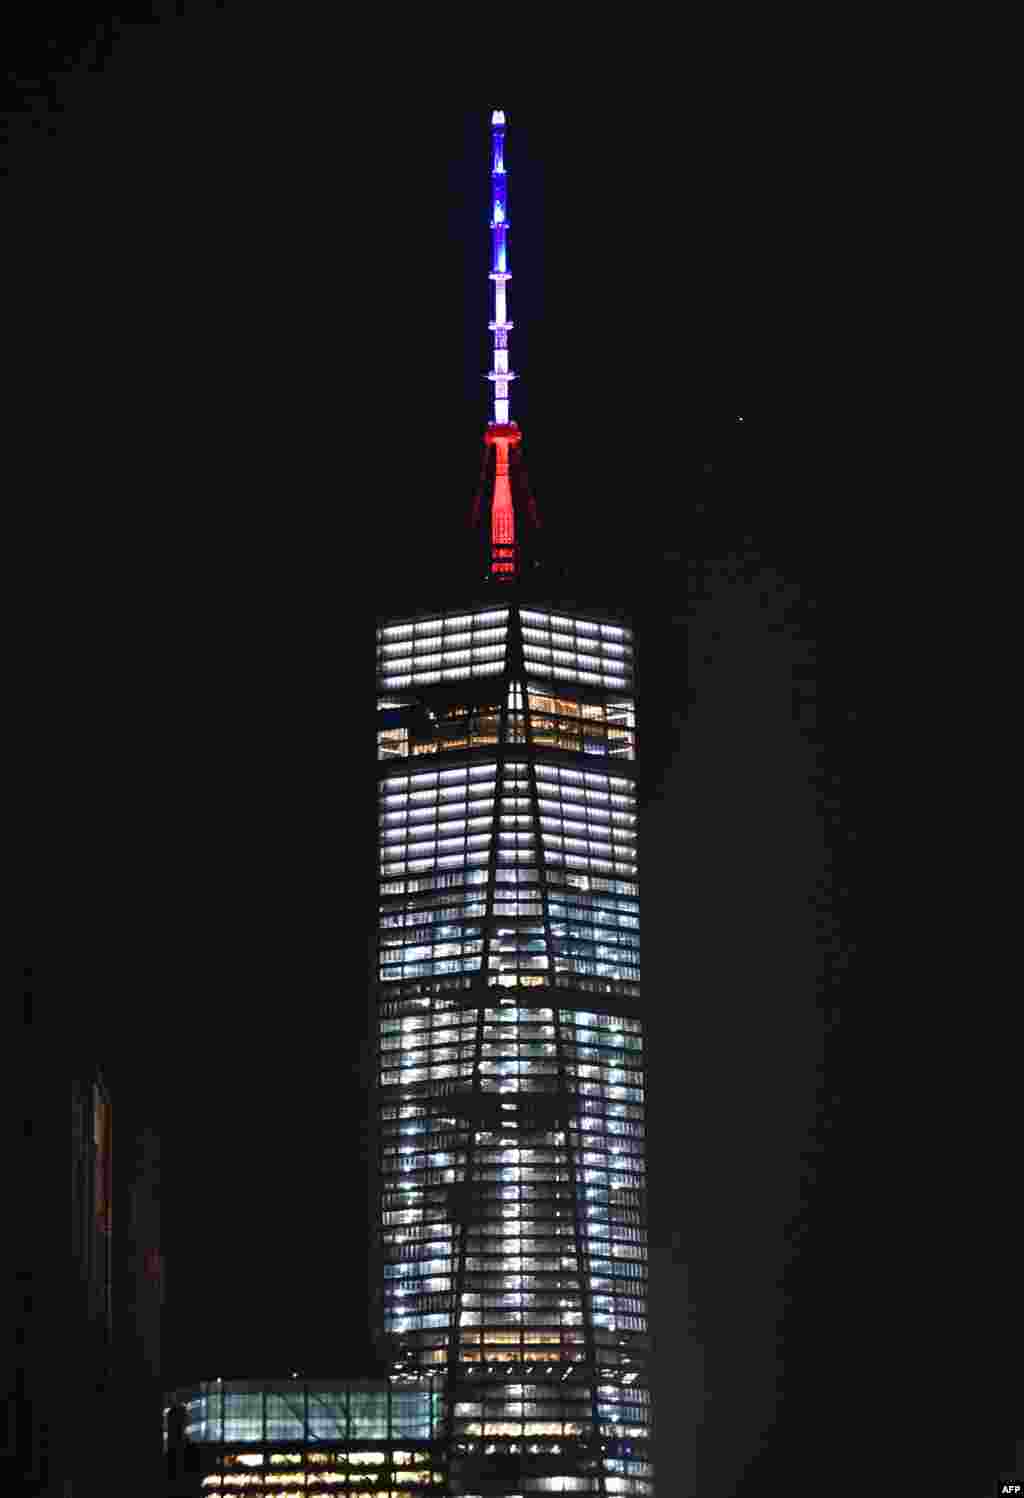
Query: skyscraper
point(508, 1008)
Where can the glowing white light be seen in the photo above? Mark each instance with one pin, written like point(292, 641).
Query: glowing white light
point(498, 117)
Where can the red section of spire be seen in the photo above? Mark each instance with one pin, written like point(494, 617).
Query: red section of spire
point(503, 524)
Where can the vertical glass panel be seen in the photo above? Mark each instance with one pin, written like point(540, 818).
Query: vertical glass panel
point(368, 1413)
point(328, 1416)
point(243, 1417)
point(410, 1415)
point(286, 1416)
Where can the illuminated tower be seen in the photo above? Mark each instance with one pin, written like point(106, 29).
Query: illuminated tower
point(508, 1010)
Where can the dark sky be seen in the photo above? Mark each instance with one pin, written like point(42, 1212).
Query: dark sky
point(263, 306)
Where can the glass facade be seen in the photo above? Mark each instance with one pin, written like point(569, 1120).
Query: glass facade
point(577, 650)
point(291, 1437)
point(236, 1411)
point(511, 1080)
point(452, 648)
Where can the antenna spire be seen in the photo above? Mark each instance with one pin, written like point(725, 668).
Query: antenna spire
point(502, 432)
point(500, 375)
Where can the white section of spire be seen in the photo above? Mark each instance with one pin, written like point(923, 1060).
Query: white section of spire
point(500, 374)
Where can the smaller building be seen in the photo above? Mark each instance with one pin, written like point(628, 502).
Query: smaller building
point(291, 1437)
point(92, 1198)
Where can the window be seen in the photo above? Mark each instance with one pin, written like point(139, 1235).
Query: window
point(243, 1417)
point(368, 1415)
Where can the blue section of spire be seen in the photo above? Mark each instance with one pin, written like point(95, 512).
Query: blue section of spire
point(500, 375)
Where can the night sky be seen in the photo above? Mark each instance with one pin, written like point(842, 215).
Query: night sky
point(264, 305)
